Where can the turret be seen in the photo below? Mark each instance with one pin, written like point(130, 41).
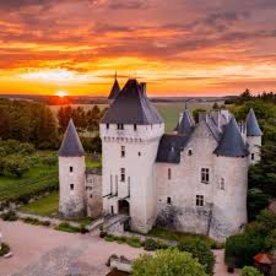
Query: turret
point(229, 211)
point(254, 137)
point(115, 90)
point(130, 131)
point(185, 123)
point(71, 174)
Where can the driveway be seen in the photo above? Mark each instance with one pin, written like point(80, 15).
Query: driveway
point(41, 251)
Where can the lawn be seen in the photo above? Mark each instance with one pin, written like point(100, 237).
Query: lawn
point(46, 206)
point(178, 236)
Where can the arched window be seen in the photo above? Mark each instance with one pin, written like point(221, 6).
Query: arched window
point(190, 152)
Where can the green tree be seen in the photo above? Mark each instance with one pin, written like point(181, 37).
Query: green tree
point(17, 166)
point(250, 271)
point(196, 113)
point(200, 250)
point(169, 262)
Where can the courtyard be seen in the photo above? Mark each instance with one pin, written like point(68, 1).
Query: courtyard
point(40, 251)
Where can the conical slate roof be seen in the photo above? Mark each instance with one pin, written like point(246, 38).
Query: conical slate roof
point(115, 90)
point(252, 125)
point(71, 145)
point(132, 107)
point(186, 124)
point(231, 143)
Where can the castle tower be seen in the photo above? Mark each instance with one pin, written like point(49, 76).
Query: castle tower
point(115, 90)
point(130, 131)
point(229, 211)
point(71, 174)
point(254, 137)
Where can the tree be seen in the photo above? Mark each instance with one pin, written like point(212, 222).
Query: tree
point(215, 106)
point(196, 113)
point(250, 271)
point(169, 262)
point(200, 250)
point(17, 166)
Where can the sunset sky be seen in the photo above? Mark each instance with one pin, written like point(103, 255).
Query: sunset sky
point(179, 47)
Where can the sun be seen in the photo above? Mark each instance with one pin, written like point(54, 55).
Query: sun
point(61, 94)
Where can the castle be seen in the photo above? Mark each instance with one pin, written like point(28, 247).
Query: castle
point(193, 180)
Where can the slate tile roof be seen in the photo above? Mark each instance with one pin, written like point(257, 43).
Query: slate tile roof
point(71, 145)
point(252, 125)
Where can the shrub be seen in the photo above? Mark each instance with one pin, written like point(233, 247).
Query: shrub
point(151, 245)
point(4, 249)
point(35, 221)
point(267, 219)
point(102, 234)
point(241, 248)
point(9, 216)
point(167, 262)
point(109, 238)
point(17, 166)
point(200, 250)
point(250, 271)
point(270, 240)
point(134, 242)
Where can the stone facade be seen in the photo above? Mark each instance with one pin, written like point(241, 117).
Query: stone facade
point(72, 201)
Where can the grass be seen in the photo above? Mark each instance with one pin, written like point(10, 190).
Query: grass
point(179, 236)
point(67, 227)
point(133, 242)
point(40, 177)
point(46, 206)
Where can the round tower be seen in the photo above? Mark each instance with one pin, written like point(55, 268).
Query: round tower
point(130, 131)
point(71, 174)
point(229, 210)
point(254, 137)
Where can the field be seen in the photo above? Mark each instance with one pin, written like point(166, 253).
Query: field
point(169, 111)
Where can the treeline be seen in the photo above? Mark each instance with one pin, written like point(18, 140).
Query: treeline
point(28, 122)
point(35, 123)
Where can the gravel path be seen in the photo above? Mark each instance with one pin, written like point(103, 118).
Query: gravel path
point(40, 251)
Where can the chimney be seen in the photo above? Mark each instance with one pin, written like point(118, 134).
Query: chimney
point(144, 87)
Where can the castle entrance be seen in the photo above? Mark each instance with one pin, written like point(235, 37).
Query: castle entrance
point(123, 207)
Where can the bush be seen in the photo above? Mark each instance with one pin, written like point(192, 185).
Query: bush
point(167, 262)
point(5, 249)
point(241, 248)
point(250, 271)
point(17, 166)
point(270, 240)
point(9, 216)
point(134, 242)
point(151, 245)
point(200, 250)
point(35, 221)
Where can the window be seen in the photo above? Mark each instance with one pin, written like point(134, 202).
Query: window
point(135, 127)
point(112, 210)
point(91, 196)
point(71, 187)
point(139, 153)
point(71, 169)
point(120, 126)
point(190, 152)
point(107, 126)
point(169, 173)
point(123, 151)
point(199, 200)
point(169, 201)
point(252, 156)
point(123, 175)
point(222, 184)
point(205, 175)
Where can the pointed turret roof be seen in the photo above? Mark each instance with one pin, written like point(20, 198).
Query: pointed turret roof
point(132, 106)
point(231, 143)
point(115, 90)
point(252, 125)
point(71, 145)
point(186, 124)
